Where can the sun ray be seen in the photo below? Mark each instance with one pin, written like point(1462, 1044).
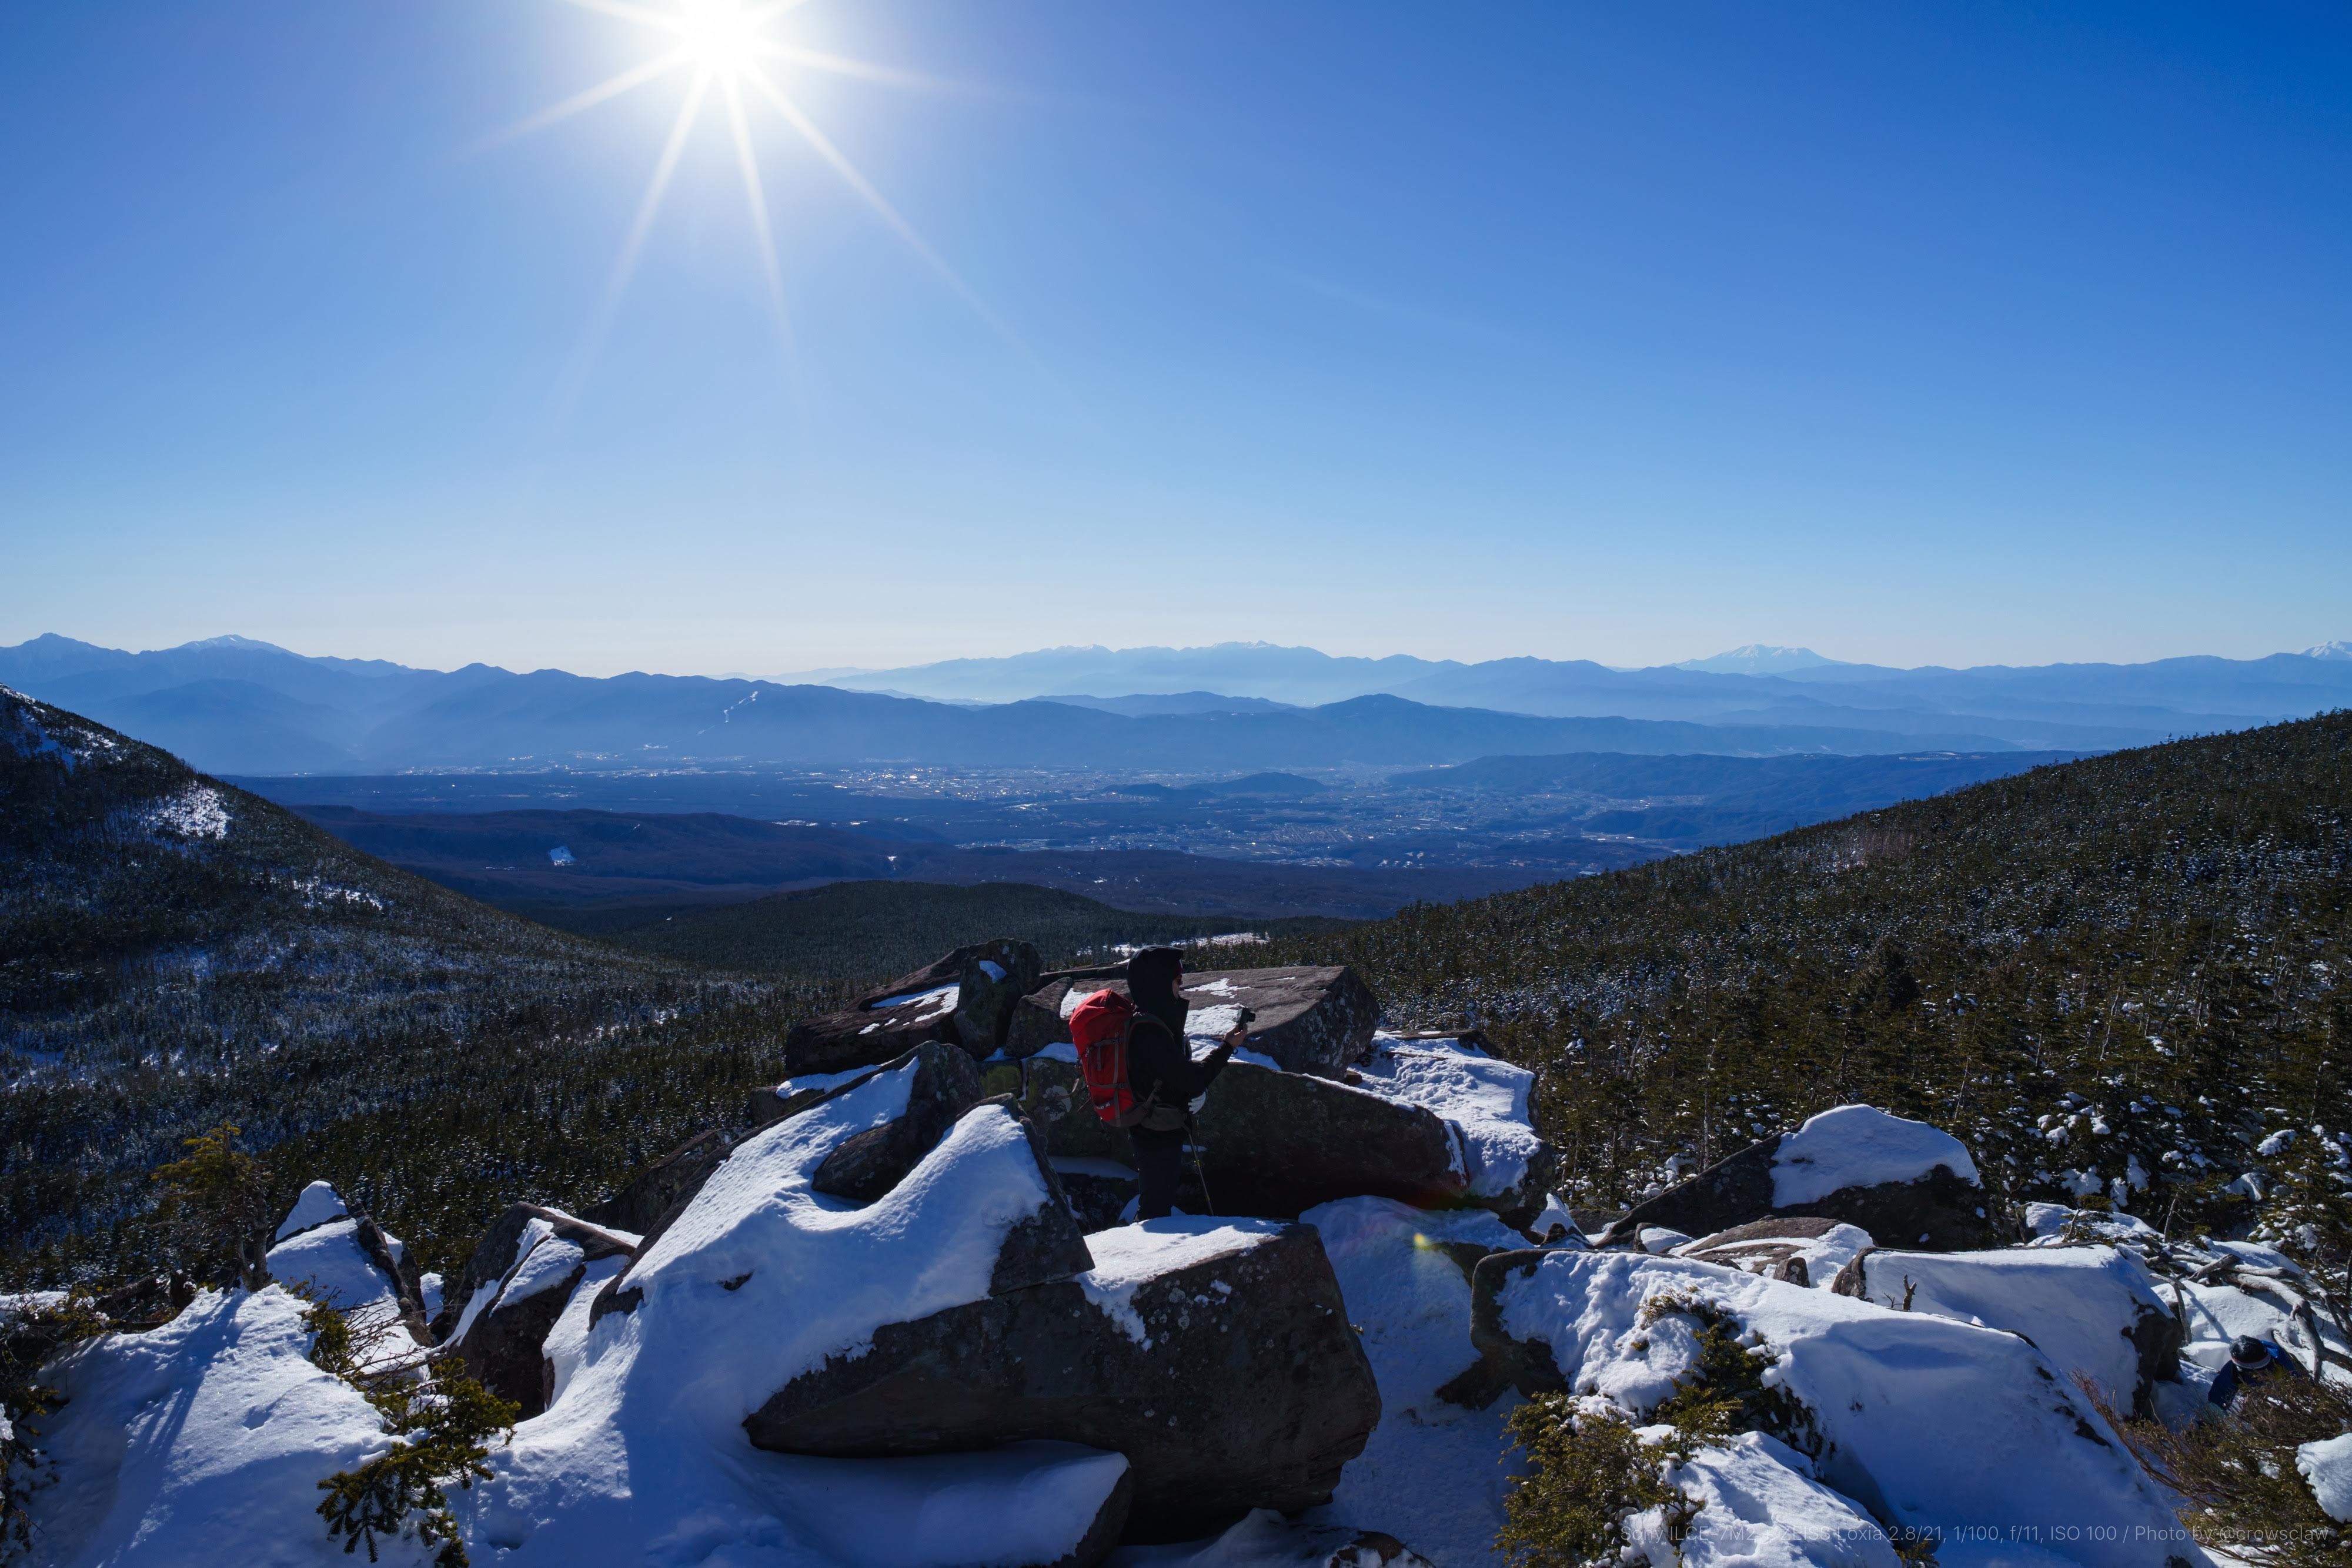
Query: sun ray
point(842, 65)
point(824, 149)
point(668, 21)
point(611, 87)
point(608, 303)
point(771, 268)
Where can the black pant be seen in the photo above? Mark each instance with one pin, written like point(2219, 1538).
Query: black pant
point(1160, 1161)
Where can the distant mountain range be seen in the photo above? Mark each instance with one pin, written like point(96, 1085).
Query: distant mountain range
point(233, 704)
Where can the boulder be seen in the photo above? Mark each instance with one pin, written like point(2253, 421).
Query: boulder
point(1904, 1182)
point(1276, 1144)
point(1488, 1101)
point(1801, 1250)
point(1216, 1355)
point(661, 1186)
point(886, 1022)
point(1042, 1018)
point(991, 981)
point(503, 1327)
point(351, 1263)
point(2093, 1311)
point(1933, 1426)
point(1316, 1018)
point(944, 1085)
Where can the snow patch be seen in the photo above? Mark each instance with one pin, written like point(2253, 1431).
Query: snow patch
point(1484, 1098)
point(1763, 1508)
point(938, 1000)
point(2326, 1469)
point(1860, 1146)
point(328, 1262)
point(317, 1206)
point(195, 812)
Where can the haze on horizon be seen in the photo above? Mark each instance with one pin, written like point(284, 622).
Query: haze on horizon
point(2001, 334)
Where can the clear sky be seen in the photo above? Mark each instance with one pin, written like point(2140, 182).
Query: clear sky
point(1964, 333)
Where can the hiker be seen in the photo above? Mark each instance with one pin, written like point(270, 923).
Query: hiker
point(1163, 1074)
point(2251, 1361)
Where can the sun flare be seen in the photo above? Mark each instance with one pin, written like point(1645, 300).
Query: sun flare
point(730, 56)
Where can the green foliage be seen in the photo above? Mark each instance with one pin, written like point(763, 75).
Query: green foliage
point(1724, 1391)
point(31, 1333)
point(2234, 1475)
point(216, 1209)
point(2113, 975)
point(853, 933)
point(442, 1421)
point(1587, 1471)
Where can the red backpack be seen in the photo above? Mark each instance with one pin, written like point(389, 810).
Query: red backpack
point(1099, 1027)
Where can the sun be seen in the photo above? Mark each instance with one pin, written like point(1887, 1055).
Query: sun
point(730, 54)
point(721, 37)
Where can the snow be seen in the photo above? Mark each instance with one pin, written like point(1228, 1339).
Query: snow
point(1073, 996)
point(1061, 1051)
point(195, 812)
point(1657, 1238)
point(1860, 1146)
point(329, 1261)
point(201, 1444)
point(559, 855)
point(1264, 1540)
point(1824, 1255)
point(1763, 1508)
point(1929, 1424)
point(1486, 1099)
point(641, 1455)
point(938, 1000)
point(2327, 1468)
point(1433, 1473)
point(547, 1265)
point(995, 971)
point(317, 1206)
point(2077, 1304)
point(1132, 1256)
point(428, 1292)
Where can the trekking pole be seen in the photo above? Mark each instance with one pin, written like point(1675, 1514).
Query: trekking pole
point(1192, 1133)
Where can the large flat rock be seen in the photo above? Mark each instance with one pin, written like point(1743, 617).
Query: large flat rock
point(886, 1022)
point(1310, 1020)
point(1216, 1355)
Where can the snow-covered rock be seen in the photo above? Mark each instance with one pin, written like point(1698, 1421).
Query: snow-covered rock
point(317, 1206)
point(200, 1444)
point(335, 1262)
point(1906, 1183)
point(942, 1083)
point(1215, 1354)
point(1928, 1423)
point(1803, 1250)
point(1760, 1508)
point(1488, 1103)
point(642, 1454)
point(2090, 1309)
point(502, 1339)
point(886, 1022)
point(989, 983)
point(1310, 1019)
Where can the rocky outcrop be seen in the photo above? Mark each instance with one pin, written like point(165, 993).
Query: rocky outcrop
point(1936, 1205)
point(989, 984)
point(886, 1022)
point(1279, 1143)
point(865, 1166)
point(661, 1186)
point(1310, 1020)
point(1053, 1096)
point(1097, 1191)
point(1042, 1016)
point(1215, 1356)
point(501, 1338)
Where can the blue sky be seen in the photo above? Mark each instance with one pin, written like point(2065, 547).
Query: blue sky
point(1918, 334)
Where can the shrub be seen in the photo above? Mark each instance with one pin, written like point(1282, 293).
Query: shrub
point(217, 1208)
point(442, 1421)
point(1589, 1471)
point(30, 1334)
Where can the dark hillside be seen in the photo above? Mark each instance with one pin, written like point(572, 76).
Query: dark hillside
point(2120, 975)
point(855, 931)
point(175, 953)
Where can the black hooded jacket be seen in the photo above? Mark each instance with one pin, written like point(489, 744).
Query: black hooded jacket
point(1159, 1061)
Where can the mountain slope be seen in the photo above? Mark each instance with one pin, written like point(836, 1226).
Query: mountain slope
point(2117, 978)
point(175, 953)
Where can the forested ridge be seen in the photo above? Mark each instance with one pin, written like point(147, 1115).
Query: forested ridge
point(2119, 979)
point(176, 953)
